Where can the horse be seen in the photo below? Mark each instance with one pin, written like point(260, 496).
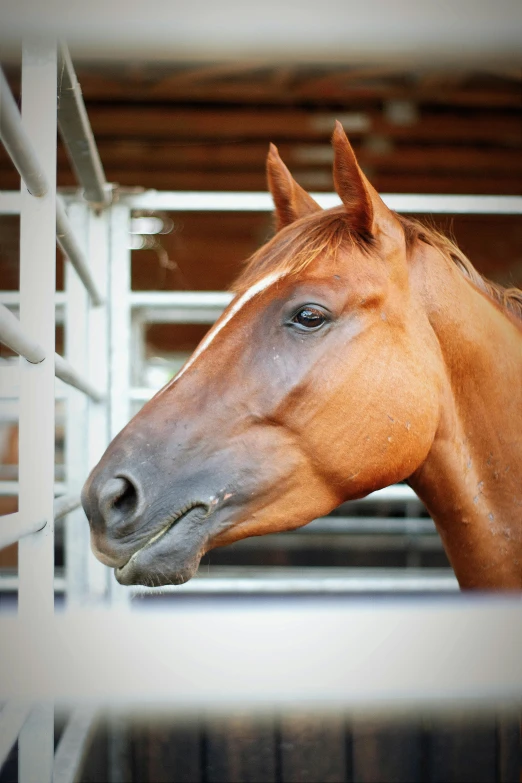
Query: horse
point(361, 349)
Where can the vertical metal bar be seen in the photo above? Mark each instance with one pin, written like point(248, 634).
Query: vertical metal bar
point(138, 347)
point(76, 326)
point(98, 438)
point(120, 337)
point(36, 746)
point(36, 449)
point(119, 414)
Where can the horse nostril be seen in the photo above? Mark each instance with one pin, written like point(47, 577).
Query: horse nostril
point(118, 500)
point(128, 499)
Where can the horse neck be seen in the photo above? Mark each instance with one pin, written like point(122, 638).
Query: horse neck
point(471, 481)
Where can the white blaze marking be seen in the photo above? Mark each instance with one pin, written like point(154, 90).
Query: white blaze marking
point(235, 307)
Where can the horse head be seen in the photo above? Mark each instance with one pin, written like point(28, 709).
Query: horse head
point(317, 385)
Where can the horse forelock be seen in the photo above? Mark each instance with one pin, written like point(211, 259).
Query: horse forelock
point(291, 251)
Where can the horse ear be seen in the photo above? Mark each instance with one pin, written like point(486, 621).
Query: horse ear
point(291, 201)
point(367, 210)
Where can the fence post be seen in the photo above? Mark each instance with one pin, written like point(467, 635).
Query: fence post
point(36, 428)
point(76, 340)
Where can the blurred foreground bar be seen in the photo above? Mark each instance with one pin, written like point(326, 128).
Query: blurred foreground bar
point(331, 652)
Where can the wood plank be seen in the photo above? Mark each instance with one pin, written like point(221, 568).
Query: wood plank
point(204, 123)
point(254, 181)
point(166, 751)
point(313, 748)
point(463, 750)
point(158, 154)
point(509, 749)
point(96, 767)
point(311, 179)
point(240, 749)
point(154, 84)
point(388, 753)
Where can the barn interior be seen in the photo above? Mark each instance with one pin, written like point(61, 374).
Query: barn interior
point(201, 122)
point(206, 126)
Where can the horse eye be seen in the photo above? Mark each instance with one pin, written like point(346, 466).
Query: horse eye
point(309, 318)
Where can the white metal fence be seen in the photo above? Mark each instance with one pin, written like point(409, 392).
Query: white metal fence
point(98, 310)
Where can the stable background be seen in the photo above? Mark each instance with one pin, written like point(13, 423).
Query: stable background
point(188, 99)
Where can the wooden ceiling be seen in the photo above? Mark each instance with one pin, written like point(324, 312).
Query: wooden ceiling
point(207, 127)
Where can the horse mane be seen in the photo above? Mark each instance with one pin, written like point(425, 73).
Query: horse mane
point(509, 299)
point(292, 250)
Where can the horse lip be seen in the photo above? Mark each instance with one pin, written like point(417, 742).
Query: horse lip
point(177, 517)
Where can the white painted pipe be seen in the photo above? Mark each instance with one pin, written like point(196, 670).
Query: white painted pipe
point(12, 335)
point(13, 528)
point(16, 142)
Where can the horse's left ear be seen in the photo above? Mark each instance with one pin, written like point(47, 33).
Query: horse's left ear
point(368, 213)
point(290, 200)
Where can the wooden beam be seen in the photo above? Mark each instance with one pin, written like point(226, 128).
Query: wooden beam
point(310, 179)
point(171, 122)
point(252, 155)
point(321, 89)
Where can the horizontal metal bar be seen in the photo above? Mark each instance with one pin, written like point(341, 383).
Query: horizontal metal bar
point(10, 472)
point(12, 335)
point(17, 143)
point(209, 201)
point(329, 652)
point(68, 375)
point(404, 526)
point(291, 580)
point(237, 580)
point(12, 299)
point(65, 504)
point(8, 488)
point(13, 528)
point(10, 202)
point(351, 542)
point(77, 136)
point(12, 718)
point(74, 744)
point(189, 300)
point(193, 307)
point(68, 244)
point(396, 493)
point(9, 584)
point(63, 370)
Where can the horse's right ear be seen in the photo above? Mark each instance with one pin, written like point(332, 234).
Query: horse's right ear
point(290, 200)
point(367, 211)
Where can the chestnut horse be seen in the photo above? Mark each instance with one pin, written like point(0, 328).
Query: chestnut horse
point(361, 349)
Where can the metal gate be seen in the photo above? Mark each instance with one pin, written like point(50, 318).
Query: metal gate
point(104, 324)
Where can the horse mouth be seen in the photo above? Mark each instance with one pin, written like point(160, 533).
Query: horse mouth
point(124, 573)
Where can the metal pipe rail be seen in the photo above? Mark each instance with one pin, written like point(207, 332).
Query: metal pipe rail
point(73, 745)
point(21, 152)
point(17, 142)
point(12, 298)
point(214, 201)
point(75, 130)
point(11, 488)
point(279, 580)
point(336, 653)
point(309, 580)
point(68, 375)
point(406, 526)
point(12, 335)
point(13, 527)
point(64, 504)
point(12, 718)
point(70, 247)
